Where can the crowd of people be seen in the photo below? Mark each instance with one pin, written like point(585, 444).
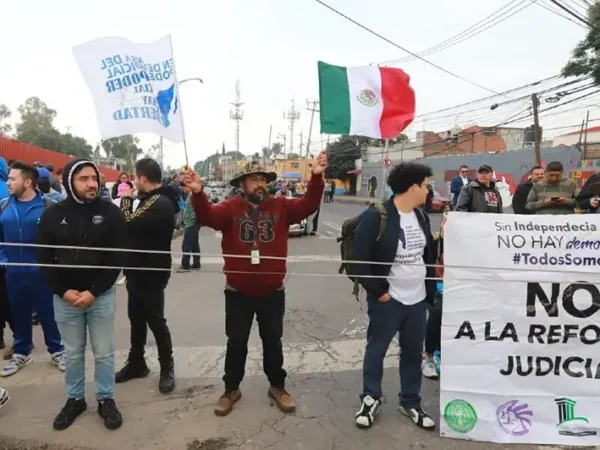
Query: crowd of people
point(393, 249)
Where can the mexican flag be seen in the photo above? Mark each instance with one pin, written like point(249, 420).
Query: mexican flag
point(371, 101)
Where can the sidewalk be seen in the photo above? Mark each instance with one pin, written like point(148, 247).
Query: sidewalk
point(355, 199)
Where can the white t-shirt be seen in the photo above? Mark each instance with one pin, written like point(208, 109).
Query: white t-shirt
point(407, 282)
point(465, 181)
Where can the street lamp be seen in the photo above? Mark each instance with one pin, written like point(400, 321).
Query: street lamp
point(190, 79)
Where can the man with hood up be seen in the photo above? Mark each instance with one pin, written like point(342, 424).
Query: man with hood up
point(149, 228)
point(84, 298)
point(255, 226)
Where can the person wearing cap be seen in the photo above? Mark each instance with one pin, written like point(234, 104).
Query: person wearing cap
point(554, 195)
point(255, 226)
point(84, 298)
point(45, 185)
point(481, 195)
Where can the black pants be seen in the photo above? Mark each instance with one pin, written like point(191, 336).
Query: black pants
point(239, 315)
point(315, 224)
point(191, 244)
point(146, 308)
point(433, 334)
point(5, 315)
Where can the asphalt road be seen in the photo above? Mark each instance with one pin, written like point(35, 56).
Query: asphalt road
point(324, 344)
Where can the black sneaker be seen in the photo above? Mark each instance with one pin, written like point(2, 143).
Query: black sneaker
point(369, 409)
point(71, 411)
point(196, 266)
point(419, 417)
point(183, 269)
point(131, 371)
point(107, 409)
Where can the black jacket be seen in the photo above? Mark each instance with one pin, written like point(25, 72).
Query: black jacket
point(586, 194)
point(472, 198)
point(520, 198)
point(71, 222)
point(367, 248)
point(150, 227)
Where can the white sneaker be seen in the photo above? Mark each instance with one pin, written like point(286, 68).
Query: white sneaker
point(367, 413)
point(59, 359)
point(419, 417)
point(16, 363)
point(428, 368)
point(4, 397)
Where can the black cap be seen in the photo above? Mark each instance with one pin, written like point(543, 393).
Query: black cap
point(485, 168)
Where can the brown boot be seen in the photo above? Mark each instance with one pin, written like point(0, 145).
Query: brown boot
point(283, 399)
point(8, 353)
point(225, 404)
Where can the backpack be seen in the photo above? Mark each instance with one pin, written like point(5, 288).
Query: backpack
point(346, 240)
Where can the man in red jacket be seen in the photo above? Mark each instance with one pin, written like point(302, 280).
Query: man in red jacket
point(255, 226)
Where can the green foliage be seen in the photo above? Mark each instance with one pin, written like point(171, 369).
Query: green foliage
point(341, 155)
point(124, 147)
point(37, 128)
point(5, 113)
point(585, 60)
point(276, 148)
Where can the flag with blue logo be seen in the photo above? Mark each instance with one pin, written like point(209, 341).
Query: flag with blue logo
point(133, 85)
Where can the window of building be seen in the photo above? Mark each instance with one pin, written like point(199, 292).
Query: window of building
point(295, 165)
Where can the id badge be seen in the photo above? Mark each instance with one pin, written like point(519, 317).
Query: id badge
point(255, 257)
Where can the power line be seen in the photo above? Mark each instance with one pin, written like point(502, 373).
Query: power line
point(572, 13)
point(548, 8)
point(404, 49)
point(475, 29)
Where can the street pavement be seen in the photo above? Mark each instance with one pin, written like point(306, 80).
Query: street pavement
point(324, 344)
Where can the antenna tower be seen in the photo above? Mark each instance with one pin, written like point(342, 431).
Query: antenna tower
point(292, 115)
point(237, 114)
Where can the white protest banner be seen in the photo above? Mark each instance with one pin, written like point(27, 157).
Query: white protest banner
point(134, 86)
point(521, 360)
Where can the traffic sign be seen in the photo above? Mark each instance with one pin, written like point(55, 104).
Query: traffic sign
point(387, 163)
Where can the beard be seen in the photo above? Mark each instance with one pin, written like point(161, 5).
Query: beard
point(257, 197)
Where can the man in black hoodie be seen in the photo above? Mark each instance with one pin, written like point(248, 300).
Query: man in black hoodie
point(522, 192)
point(150, 228)
point(84, 298)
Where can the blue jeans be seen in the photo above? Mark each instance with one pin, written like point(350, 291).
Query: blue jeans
point(191, 244)
point(73, 323)
point(385, 320)
point(28, 291)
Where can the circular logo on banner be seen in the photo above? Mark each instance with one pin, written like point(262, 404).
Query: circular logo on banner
point(368, 98)
point(97, 220)
point(514, 418)
point(460, 416)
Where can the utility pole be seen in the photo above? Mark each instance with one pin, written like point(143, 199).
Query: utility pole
point(284, 137)
point(160, 152)
point(312, 107)
point(301, 144)
point(292, 115)
point(585, 147)
point(536, 131)
point(237, 115)
point(269, 146)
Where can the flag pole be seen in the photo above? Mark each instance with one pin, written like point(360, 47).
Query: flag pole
point(178, 98)
point(384, 155)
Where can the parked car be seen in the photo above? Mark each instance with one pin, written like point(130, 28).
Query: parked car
point(439, 203)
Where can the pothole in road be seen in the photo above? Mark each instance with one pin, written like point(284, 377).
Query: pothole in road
point(209, 444)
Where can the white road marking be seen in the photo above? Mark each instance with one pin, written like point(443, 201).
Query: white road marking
point(207, 362)
point(333, 225)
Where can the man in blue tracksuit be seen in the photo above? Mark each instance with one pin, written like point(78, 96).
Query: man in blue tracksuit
point(5, 316)
point(399, 283)
point(27, 287)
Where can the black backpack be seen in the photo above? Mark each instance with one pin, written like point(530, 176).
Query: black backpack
point(346, 240)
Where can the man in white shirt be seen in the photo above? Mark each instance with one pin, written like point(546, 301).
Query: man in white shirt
point(397, 289)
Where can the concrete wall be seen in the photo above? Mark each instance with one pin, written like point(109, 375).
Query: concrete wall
point(510, 168)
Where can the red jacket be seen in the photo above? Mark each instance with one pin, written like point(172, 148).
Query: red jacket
point(234, 218)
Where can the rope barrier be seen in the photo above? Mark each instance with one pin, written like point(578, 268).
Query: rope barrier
point(289, 258)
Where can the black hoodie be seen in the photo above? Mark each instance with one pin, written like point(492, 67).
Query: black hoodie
point(150, 227)
point(79, 223)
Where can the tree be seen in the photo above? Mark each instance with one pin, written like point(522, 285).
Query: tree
point(37, 124)
point(256, 155)
point(5, 114)
point(342, 154)
point(124, 147)
point(585, 60)
point(266, 152)
point(75, 146)
point(276, 148)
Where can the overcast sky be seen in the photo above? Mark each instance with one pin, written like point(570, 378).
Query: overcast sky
point(273, 47)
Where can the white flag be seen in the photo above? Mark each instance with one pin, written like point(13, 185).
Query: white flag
point(134, 86)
